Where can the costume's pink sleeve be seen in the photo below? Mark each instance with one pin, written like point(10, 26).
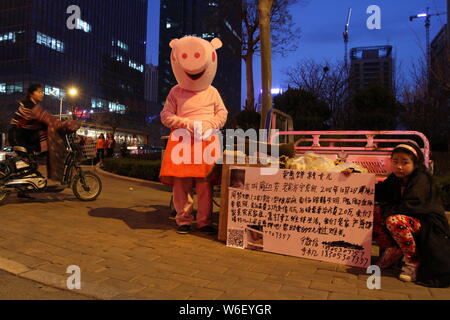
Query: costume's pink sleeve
point(220, 113)
point(169, 116)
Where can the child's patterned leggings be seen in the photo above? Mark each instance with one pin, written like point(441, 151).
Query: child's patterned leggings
point(397, 229)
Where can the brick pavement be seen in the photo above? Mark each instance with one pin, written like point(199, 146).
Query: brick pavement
point(127, 248)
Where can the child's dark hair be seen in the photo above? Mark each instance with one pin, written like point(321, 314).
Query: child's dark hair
point(34, 87)
point(414, 152)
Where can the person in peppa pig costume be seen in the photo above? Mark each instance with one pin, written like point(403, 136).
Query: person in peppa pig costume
point(193, 111)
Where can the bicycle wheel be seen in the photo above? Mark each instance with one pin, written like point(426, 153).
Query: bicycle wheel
point(87, 186)
point(3, 193)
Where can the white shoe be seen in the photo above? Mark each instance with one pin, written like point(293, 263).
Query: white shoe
point(409, 272)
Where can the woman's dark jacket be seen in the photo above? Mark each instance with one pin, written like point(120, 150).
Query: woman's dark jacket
point(421, 200)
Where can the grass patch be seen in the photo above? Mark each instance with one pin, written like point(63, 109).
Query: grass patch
point(141, 169)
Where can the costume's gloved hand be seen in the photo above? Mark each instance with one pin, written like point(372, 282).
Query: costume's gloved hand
point(203, 130)
point(208, 130)
point(190, 125)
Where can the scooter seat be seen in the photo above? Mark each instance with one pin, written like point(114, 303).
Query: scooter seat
point(20, 149)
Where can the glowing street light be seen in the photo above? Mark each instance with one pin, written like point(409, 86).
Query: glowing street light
point(71, 92)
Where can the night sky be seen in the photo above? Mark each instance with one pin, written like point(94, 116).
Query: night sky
point(322, 23)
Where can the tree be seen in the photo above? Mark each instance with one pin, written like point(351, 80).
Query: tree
point(248, 119)
point(374, 108)
point(307, 110)
point(427, 108)
point(284, 35)
point(264, 9)
point(327, 81)
point(110, 119)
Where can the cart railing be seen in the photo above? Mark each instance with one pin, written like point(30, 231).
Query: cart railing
point(369, 149)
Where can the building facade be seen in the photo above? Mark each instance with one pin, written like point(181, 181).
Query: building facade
point(206, 19)
point(440, 62)
point(371, 65)
point(97, 47)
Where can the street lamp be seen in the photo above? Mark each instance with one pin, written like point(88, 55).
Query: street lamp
point(71, 92)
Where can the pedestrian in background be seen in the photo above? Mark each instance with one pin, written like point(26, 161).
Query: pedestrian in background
point(111, 144)
point(123, 150)
point(101, 142)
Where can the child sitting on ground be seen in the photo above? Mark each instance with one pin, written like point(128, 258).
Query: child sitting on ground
point(411, 221)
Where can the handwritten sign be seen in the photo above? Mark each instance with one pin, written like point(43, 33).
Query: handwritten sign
point(309, 214)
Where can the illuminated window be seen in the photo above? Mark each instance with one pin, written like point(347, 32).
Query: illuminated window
point(120, 45)
point(136, 66)
point(53, 91)
point(213, 4)
point(116, 107)
point(204, 35)
point(118, 57)
point(207, 35)
point(168, 25)
point(11, 88)
point(10, 36)
point(49, 42)
point(83, 25)
point(99, 103)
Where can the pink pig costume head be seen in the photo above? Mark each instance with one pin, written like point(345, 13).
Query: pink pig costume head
point(194, 62)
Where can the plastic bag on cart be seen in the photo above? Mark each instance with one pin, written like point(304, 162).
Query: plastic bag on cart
point(316, 162)
point(311, 161)
point(349, 165)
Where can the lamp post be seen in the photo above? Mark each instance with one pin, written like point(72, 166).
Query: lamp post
point(72, 92)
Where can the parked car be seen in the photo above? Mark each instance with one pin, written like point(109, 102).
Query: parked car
point(6, 151)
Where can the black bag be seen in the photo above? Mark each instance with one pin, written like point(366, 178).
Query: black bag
point(434, 269)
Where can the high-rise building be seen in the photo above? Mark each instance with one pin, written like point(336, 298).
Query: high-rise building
point(96, 46)
point(371, 65)
point(206, 19)
point(440, 57)
point(151, 83)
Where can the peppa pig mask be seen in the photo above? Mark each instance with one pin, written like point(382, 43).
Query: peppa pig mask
point(194, 62)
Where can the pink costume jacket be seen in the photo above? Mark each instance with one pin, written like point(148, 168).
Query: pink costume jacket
point(193, 101)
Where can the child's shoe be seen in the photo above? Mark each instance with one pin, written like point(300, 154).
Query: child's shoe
point(409, 271)
point(390, 256)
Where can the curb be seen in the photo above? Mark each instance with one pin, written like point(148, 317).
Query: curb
point(57, 281)
point(154, 183)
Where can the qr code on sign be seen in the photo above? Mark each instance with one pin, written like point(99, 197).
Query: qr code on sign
point(235, 238)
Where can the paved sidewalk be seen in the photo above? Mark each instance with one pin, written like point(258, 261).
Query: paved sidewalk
point(127, 248)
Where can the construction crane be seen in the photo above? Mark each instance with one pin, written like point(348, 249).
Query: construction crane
point(427, 15)
point(346, 38)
